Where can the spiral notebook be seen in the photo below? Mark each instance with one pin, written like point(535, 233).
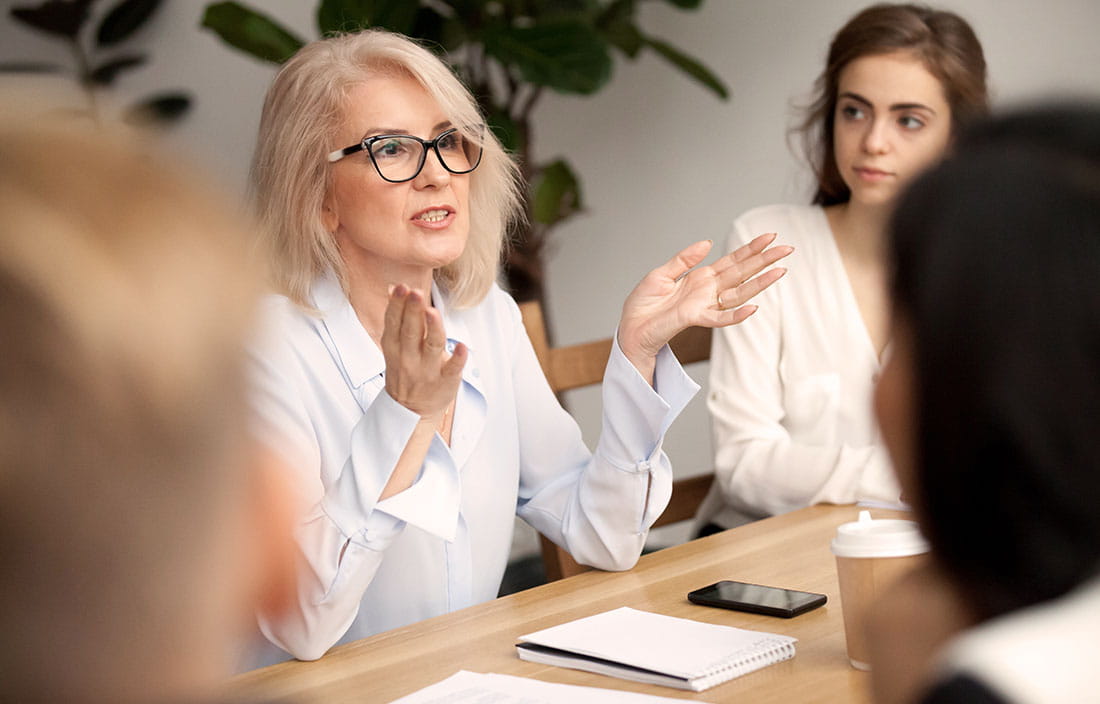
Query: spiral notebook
point(656, 649)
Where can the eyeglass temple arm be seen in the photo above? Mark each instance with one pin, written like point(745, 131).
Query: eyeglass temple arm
point(341, 153)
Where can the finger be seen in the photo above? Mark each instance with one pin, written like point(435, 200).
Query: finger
point(754, 248)
point(738, 315)
point(412, 322)
point(435, 337)
point(722, 318)
point(740, 271)
point(395, 308)
point(453, 367)
point(685, 259)
point(737, 295)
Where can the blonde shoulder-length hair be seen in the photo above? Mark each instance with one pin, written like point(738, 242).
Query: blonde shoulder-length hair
point(298, 128)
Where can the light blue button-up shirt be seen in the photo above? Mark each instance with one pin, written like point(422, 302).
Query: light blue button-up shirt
point(368, 565)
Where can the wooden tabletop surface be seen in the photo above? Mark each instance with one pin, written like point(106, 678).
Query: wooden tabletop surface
point(791, 551)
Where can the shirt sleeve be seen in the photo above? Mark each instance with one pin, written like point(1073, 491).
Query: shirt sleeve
point(760, 468)
point(599, 506)
point(345, 529)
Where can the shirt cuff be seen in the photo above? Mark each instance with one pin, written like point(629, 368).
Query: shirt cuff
point(637, 415)
point(432, 502)
point(378, 531)
point(377, 441)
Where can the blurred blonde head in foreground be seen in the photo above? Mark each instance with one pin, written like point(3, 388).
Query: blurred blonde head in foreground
point(138, 526)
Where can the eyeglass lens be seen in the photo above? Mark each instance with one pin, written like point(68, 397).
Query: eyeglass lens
point(400, 158)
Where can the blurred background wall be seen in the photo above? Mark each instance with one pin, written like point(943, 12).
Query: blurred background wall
point(663, 162)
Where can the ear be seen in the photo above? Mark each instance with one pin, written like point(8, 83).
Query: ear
point(274, 512)
point(329, 219)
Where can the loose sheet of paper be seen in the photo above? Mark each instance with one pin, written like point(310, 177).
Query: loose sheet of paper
point(475, 688)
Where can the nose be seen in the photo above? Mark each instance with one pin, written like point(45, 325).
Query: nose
point(433, 174)
point(876, 139)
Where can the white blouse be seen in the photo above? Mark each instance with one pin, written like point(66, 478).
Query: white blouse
point(368, 565)
point(1043, 654)
point(790, 388)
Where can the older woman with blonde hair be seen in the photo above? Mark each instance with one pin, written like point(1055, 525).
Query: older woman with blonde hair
point(395, 376)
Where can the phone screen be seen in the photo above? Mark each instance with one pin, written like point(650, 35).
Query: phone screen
point(757, 598)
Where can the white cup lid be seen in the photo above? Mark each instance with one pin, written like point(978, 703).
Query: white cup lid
point(884, 537)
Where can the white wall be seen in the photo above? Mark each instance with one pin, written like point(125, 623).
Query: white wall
point(663, 162)
point(673, 164)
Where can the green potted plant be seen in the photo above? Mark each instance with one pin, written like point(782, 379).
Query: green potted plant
point(99, 54)
point(509, 52)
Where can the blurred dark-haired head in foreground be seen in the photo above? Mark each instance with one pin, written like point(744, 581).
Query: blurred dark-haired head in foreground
point(990, 403)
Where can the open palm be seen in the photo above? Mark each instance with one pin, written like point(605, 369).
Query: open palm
point(680, 294)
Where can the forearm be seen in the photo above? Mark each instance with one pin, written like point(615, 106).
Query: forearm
point(333, 573)
point(343, 539)
point(771, 476)
point(411, 459)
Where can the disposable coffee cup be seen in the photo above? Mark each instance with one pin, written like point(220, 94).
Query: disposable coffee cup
point(870, 555)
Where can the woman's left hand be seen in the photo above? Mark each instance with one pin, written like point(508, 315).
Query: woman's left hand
point(676, 296)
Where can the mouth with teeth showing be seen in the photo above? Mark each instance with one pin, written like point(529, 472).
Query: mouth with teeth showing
point(431, 216)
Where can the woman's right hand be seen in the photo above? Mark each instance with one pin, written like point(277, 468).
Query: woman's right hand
point(420, 374)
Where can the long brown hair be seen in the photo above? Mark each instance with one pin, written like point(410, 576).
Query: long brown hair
point(942, 40)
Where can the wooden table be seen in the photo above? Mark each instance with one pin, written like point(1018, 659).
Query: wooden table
point(788, 551)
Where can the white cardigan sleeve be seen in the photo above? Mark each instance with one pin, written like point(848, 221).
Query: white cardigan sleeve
point(761, 469)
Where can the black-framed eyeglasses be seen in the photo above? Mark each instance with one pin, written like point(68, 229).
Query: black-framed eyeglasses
point(400, 157)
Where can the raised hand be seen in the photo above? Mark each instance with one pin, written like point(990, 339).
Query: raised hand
point(679, 294)
point(420, 374)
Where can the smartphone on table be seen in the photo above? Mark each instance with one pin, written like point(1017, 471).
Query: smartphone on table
point(757, 598)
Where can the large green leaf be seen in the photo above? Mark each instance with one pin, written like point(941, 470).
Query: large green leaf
point(251, 32)
point(468, 11)
point(125, 19)
point(505, 129)
point(690, 66)
point(159, 109)
point(105, 73)
point(616, 25)
point(566, 55)
point(541, 10)
point(557, 193)
point(62, 18)
point(351, 15)
point(441, 33)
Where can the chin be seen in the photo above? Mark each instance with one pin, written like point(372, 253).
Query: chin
point(874, 197)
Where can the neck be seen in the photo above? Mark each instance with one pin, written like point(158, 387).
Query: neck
point(369, 291)
point(861, 229)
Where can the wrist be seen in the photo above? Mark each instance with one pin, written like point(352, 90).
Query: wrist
point(634, 344)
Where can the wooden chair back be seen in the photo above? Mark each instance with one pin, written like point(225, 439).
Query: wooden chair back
point(576, 366)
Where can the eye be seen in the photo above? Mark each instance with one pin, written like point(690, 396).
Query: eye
point(910, 122)
point(851, 112)
point(390, 148)
point(450, 141)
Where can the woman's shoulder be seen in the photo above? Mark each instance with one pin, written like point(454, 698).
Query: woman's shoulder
point(278, 310)
point(282, 325)
point(769, 218)
point(801, 226)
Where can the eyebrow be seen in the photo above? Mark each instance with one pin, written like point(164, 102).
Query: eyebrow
point(439, 127)
point(893, 108)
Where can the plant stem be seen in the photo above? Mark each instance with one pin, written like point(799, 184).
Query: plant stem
point(84, 76)
point(529, 104)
